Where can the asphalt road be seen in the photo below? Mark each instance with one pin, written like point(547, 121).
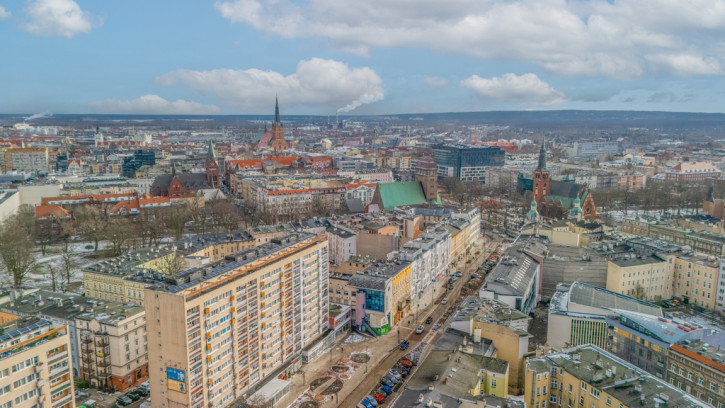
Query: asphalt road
point(372, 379)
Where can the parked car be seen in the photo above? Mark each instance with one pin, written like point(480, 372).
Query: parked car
point(387, 389)
point(378, 397)
point(143, 391)
point(123, 401)
point(386, 381)
point(371, 400)
point(450, 287)
point(383, 392)
point(396, 375)
point(406, 363)
point(444, 301)
point(393, 379)
point(133, 395)
point(367, 403)
point(457, 274)
point(429, 320)
point(420, 329)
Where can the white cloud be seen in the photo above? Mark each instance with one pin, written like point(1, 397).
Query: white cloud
point(570, 37)
point(316, 82)
point(526, 89)
point(58, 18)
point(4, 14)
point(435, 81)
point(153, 105)
point(684, 64)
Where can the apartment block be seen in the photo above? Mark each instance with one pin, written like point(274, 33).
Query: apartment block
point(220, 330)
point(698, 368)
point(696, 279)
point(35, 365)
point(27, 159)
point(383, 295)
point(588, 376)
point(113, 348)
point(648, 277)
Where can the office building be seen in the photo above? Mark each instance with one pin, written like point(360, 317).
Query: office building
point(645, 277)
point(35, 364)
point(467, 162)
point(595, 148)
point(577, 314)
point(220, 330)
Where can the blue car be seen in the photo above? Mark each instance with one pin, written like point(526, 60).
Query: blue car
point(367, 404)
point(371, 400)
point(387, 389)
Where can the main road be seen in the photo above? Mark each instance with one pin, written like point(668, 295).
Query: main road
point(372, 379)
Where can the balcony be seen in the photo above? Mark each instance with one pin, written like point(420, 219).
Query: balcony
point(102, 343)
point(65, 400)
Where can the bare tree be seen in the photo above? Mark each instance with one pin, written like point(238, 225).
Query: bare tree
point(224, 214)
point(92, 223)
point(15, 250)
point(119, 234)
point(53, 274)
point(70, 261)
point(175, 218)
point(170, 264)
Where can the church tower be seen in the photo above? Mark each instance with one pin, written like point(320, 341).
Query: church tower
point(426, 172)
point(278, 143)
point(541, 178)
point(212, 167)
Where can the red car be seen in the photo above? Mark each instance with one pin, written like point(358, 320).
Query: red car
point(379, 398)
point(406, 363)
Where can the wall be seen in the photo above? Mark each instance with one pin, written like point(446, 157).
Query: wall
point(376, 245)
point(512, 346)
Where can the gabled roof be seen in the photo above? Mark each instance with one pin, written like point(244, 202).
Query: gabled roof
point(45, 211)
point(401, 194)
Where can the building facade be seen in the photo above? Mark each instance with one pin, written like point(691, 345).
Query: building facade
point(467, 162)
point(27, 159)
point(36, 369)
point(224, 328)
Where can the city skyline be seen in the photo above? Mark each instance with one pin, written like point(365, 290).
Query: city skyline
point(321, 57)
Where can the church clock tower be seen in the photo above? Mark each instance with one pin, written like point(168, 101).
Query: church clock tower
point(541, 178)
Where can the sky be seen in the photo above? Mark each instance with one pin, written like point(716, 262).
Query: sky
point(360, 56)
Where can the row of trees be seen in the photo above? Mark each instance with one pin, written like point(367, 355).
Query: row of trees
point(22, 233)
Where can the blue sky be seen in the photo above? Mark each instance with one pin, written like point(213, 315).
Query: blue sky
point(360, 56)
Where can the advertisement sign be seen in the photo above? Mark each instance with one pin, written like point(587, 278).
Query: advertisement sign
point(176, 375)
point(177, 386)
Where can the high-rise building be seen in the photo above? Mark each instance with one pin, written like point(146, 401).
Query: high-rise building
point(225, 327)
point(29, 160)
point(35, 364)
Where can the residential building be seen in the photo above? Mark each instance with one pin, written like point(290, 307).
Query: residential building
point(588, 376)
point(220, 330)
point(645, 277)
point(698, 368)
point(577, 314)
point(430, 255)
point(692, 172)
point(360, 190)
point(113, 347)
point(467, 162)
point(35, 365)
point(696, 279)
point(27, 159)
point(701, 241)
point(516, 280)
point(343, 244)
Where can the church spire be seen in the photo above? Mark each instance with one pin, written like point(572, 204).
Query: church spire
point(542, 157)
point(211, 153)
point(277, 121)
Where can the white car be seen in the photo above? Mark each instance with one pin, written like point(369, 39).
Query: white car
point(420, 329)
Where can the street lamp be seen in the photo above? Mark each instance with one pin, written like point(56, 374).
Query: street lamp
point(367, 356)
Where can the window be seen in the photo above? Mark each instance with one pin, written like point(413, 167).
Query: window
point(571, 389)
point(584, 386)
point(581, 400)
point(493, 382)
point(609, 401)
point(594, 392)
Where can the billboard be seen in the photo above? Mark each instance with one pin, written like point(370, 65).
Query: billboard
point(176, 379)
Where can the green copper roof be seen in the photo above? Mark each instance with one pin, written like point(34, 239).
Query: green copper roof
point(402, 193)
point(211, 153)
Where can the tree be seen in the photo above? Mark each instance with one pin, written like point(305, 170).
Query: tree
point(170, 264)
point(175, 218)
point(92, 223)
point(119, 234)
point(53, 274)
point(69, 259)
point(15, 250)
point(224, 214)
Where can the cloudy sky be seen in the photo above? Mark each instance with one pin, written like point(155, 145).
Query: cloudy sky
point(360, 56)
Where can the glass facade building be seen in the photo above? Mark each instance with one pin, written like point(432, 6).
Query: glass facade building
point(467, 162)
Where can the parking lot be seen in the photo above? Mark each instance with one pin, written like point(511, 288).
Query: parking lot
point(107, 400)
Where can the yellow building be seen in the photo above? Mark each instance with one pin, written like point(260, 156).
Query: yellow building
point(589, 377)
point(386, 287)
point(224, 328)
point(647, 278)
point(512, 345)
point(35, 365)
point(696, 279)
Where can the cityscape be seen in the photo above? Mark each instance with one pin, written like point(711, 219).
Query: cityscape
point(395, 205)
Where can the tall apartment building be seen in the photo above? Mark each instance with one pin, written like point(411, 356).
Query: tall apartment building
point(588, 376)
point(27, 159)
point(113, 349)
point(224, 328)
point(35, 365)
